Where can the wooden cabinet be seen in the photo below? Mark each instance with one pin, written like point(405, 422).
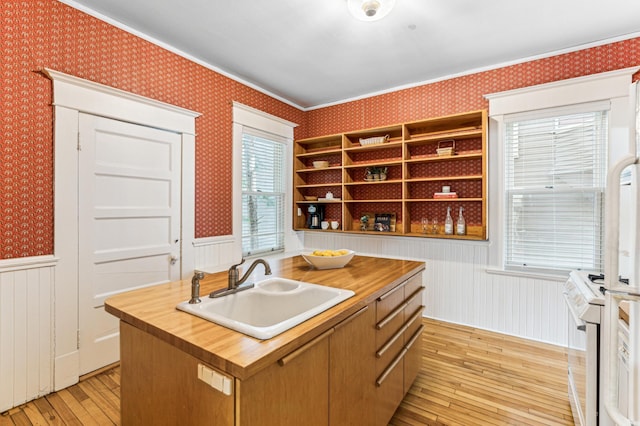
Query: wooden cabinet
point(415, 170)
point(398, 330)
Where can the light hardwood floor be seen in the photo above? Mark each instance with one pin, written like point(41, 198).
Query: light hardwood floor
point(468, 377)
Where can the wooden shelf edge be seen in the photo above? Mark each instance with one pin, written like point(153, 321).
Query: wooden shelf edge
point(440, 200)
point(375, 147)
point(386, 200)
point(444, 158)
point(395, 200)
point(364, 182)
point(469, 133)
point(396, 162)
point(320, 152)
point(397, 234)
point(444, 178)
point(318, 202)
point(313, 169)
point(317, 185)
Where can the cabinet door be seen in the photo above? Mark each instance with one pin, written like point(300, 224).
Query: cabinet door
point(352, 370)
point(293, 391)
point(160, 385)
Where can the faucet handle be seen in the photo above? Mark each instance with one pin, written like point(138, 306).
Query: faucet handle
point(238, 264)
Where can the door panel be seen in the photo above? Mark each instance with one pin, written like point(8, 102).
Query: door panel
point(129, 223)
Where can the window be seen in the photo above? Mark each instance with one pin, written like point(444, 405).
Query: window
point(546, 192)
point(262, 184)
point(555, 170)
point(263, 193)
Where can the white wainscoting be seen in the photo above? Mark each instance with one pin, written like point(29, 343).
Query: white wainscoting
point(460, 290)
point(26, 329)
point(215, 254)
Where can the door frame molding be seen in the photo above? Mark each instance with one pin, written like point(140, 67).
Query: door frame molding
point(71, 96)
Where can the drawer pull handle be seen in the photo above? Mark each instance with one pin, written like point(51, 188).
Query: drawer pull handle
point(293, 355)
point(396, 311)
point(390, 292)
point(415, 336)
point(389, 343)
point(404, 328)
point(401, 355)
point(390, 368)
point(415, 315)
point(391, 316)
point(351, 318)
point(415, 294)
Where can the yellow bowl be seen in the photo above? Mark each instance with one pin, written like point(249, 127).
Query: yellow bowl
point(328, 262)
point(320, 164)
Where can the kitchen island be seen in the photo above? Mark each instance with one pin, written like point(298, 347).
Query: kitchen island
point(351, 364)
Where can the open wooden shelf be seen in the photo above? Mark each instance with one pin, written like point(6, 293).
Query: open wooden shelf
point(414, 173)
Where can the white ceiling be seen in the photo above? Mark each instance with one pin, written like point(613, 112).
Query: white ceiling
point(313, 53)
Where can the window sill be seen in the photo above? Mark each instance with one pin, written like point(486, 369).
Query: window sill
point(532, 275)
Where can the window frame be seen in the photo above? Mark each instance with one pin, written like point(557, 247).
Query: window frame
point(612, 86)
point(533, 186)
point(279, 196)
point(247, 117)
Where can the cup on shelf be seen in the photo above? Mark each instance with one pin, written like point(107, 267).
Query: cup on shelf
point(335, 224)
point(324, 224)
point(446, 189)
point(425, 225)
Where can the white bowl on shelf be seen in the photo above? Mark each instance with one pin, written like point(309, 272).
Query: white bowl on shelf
point(329, 262)
point(320, 164)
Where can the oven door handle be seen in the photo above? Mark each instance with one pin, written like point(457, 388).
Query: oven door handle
point(580, 325)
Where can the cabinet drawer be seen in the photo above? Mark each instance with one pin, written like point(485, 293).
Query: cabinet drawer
point(412, 284)
point(413, 301)
point(389, 391)
point(394, 343)
point(388, 350)
point(413, 322)
point(413, 357)
point(389, 326)
point(388, 302)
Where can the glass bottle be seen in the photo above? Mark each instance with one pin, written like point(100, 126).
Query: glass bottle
point(461, 226)
point(448, 223)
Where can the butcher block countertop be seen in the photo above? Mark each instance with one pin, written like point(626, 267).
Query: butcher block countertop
point(153, 310)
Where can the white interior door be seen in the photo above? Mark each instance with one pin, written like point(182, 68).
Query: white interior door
point(128, 220)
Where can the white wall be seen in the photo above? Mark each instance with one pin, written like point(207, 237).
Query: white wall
point(26, 329)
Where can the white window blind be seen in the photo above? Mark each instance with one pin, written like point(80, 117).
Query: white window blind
point(263, 193)
point(555, 170)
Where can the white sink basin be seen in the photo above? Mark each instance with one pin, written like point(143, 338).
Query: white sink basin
point(274, 305)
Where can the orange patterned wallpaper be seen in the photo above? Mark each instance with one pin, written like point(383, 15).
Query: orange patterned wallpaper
point(39, 34)
point(466, 93)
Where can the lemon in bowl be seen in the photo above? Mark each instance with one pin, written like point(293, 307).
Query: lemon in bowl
point(328, 259)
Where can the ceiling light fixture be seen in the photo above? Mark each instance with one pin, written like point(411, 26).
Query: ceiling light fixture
point(370, 10)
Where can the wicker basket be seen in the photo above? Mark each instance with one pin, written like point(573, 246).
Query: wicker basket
point(446, 151)
point(376, 140)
